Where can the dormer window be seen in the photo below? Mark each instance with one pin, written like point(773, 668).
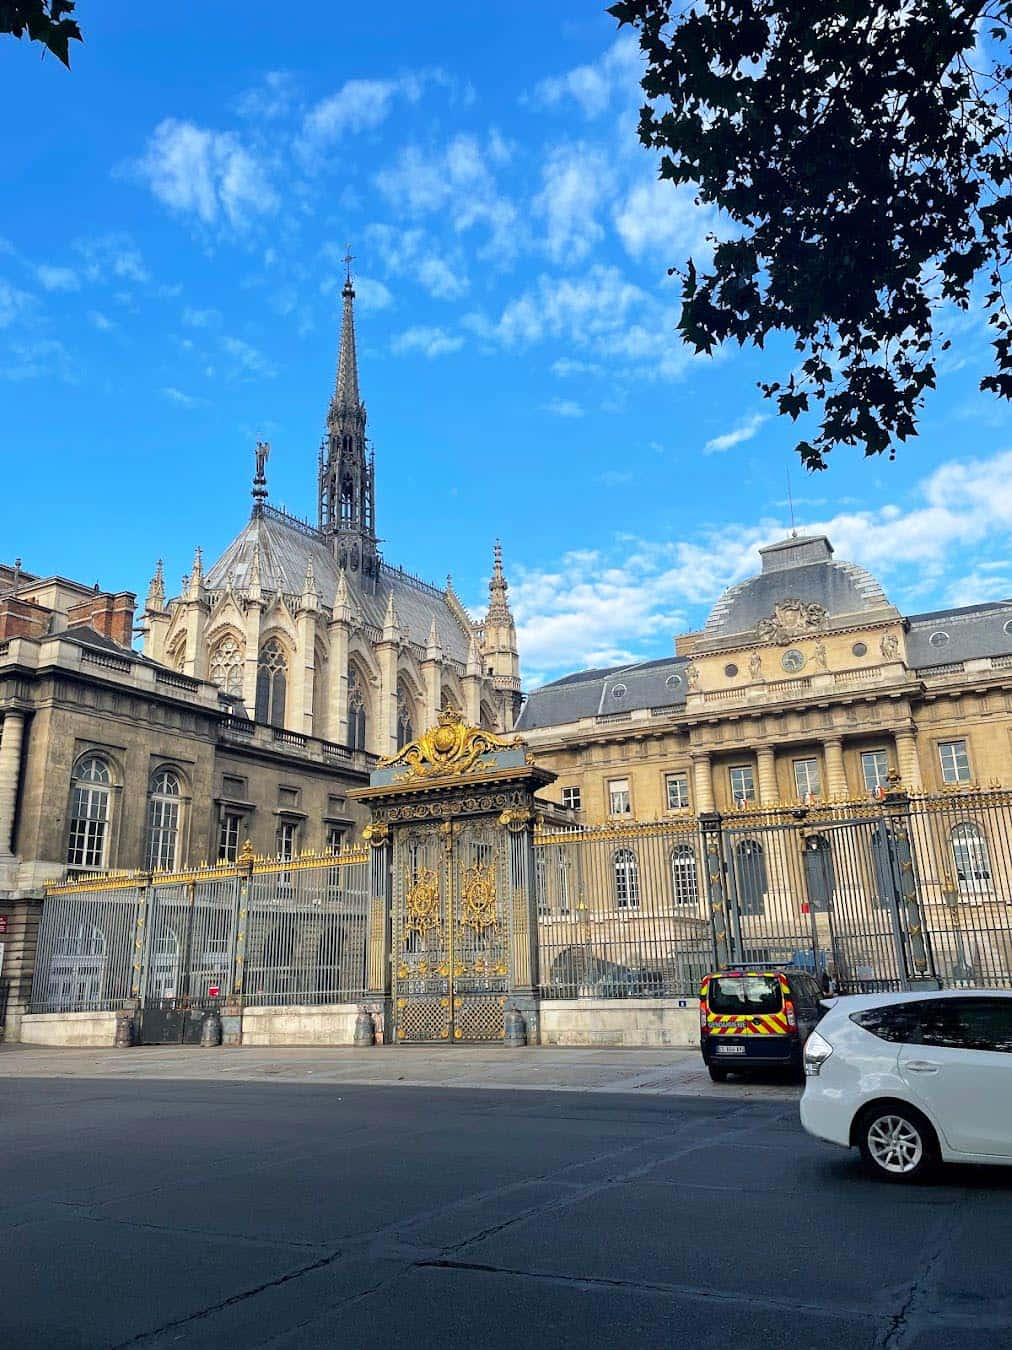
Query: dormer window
point(939, 639)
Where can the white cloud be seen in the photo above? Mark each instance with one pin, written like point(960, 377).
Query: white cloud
point(177, 396)
point(201, 318)
point(112, 257)
point(100, 321)
point(566, 366)
point(359, 105)
point(57, 278)
point(744, 431)
point(576, 180)
point(564, 407)
point(372, 295)
point(14, 302)
point(597, 87)
point(411, 254)
point(661, 219)
point(458, 184)
point(272, 98)
point(246, 360)
point(429, 342)
point(44, 357)
point(625, 602)
point(205, 174)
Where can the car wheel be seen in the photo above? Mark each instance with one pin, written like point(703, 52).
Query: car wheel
point(717, 1073)
point(896, 1142)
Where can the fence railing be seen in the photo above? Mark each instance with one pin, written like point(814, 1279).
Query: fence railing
point(867, 895)
point(274, 932)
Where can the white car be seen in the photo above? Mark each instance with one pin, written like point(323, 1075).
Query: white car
point(913, 1079)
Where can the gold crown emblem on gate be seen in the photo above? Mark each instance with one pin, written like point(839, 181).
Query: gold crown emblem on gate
point(451, 747)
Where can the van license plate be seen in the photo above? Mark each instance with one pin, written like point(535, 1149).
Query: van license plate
point(730, 1049)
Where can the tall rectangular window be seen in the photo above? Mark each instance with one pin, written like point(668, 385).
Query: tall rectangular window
point(287, 832)
point(619, 797)
point(807, 778)
point(955, 761)
point(335, 838)
point(571, 798)
point(89, 810)
point(678, 791)
point(875, 769)
point(742, 784)
point(228, 836)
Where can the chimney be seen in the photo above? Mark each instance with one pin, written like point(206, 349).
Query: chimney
point(22, 618)
point(111, 615)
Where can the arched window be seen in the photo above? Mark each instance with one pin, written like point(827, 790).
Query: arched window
point(819, 875)
point(272, 671)
point(448, 702)
point(76, 967)
point(226, 665)
point(750, 865)
point(405, 727)
point(163, 821)
point(627, 879)
point(356, 711)
point(89, 813)
point(971, 857)
point(177, 655)
point(683, 875)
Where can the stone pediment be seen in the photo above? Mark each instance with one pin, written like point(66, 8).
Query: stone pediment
point(791, 619)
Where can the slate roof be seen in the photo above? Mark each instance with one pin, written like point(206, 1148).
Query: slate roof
point(802, 568)
point(600, 693)
point(972, 631)
point(286, 548)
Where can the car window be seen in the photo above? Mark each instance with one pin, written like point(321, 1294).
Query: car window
point(969, 1024)
point(744, 994)
point(897, 1022)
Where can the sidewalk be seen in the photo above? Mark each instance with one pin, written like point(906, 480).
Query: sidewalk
point(655, 1072)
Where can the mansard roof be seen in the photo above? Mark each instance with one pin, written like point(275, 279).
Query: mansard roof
point(600, 693)
point(801, 568)
point(970, 631)
point(288, 545)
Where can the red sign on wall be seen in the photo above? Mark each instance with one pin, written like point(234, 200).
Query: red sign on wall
point(3, 923)
point(213, 990)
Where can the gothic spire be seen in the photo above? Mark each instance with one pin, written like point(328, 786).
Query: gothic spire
point(498, 605)
point(156, 590)
point(346, 386)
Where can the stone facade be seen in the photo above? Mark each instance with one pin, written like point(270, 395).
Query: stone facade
point(805, 683)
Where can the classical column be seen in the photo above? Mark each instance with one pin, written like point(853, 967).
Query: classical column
point(702, 780)
point(10, 767)
point(769, 794)
point(907, 759)
point(836, 774)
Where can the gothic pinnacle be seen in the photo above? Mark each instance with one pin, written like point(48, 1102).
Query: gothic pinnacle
point(156, 590)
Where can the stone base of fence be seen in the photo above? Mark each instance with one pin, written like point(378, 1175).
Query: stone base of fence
point(626, 1022)
point(318, 1024)
point(84, 1030)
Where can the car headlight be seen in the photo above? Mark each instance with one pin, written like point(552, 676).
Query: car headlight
point(817, 1051)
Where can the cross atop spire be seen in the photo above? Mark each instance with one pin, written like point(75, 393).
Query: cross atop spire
point(348, 259)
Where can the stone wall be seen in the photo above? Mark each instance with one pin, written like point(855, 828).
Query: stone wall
point(81, 1029)
point(328, 1024)
point(626, 1022)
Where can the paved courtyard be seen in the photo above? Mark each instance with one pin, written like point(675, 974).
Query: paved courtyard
point(600, 1198)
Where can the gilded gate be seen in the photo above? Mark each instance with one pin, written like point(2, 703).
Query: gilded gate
point(455, 808)
point(451, 952)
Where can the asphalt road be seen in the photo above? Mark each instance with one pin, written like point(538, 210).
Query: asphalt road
point(201, 1213)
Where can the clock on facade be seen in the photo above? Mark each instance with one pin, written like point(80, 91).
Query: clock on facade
point(792, 661)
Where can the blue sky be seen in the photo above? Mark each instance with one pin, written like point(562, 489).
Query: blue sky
point(173, 215)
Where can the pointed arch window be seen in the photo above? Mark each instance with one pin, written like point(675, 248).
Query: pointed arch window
point(164, 806)
point(971, 858)
point(405, 724)
point(356, 711)
point(627, 879)
point(272, 684)
point(683, 875)
point(227, 658)
point(90, 798)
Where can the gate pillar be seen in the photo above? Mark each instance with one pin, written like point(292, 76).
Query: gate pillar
point(452, 836)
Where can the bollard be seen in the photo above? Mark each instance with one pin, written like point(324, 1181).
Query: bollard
point(126, 1031)
point(210, 1032)
point(365, 1029)
point(515, 1028)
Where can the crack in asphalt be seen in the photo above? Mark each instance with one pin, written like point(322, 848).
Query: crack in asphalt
point(903, 1320)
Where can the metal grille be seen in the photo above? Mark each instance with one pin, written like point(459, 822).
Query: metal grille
point(273, 933)
point(622, 911)
point(85, 956)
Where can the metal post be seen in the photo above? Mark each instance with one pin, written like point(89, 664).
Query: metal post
point(897, 803)
point(716, 890)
